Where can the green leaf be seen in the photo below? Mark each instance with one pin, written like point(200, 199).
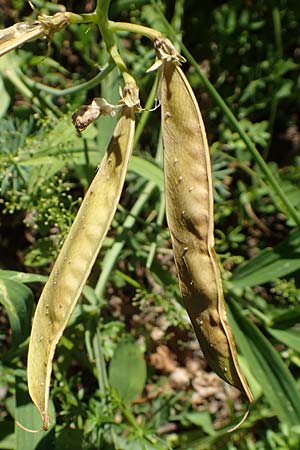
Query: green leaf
point(28, 416)
point(285, 90)
point(69, 439)
point(287, 318)
point(5, 98)
point(105, 125)
point(22, 277)
point(7, 436)
point(148, 170)
point(270, 263)
point(278, 384)
point(17, 299)
point(290, 337)
point(127, 371)
point(201, 419)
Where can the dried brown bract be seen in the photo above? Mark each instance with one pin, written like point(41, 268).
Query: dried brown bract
point(87, 114)
point(22, 32)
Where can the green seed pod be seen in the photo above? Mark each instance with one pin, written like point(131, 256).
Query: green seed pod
point(76, 259)
point(189, 208)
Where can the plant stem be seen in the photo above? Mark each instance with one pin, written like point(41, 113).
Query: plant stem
point(150, 33)
point(277, 31)
point(101, 13)
point(114, 53)
point(101, 10)
point(71, 90)
point(108, 28)
point(145, 115)
point(177, 18)
point(100, 364)
point(81, 18)
point(102, 377)
point(274, 100)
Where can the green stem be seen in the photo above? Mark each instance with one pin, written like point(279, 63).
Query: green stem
point(102, 377)
point(277, 31)
point(177, 18)
point(100, 17)
point(150, 33)
point(101, 13)
point(71, 90)
point(114, 53)
point(100, 364)
point(130, 418)
point(101, 10)
point(275, 100)
point(81, 18)
point(145, 115)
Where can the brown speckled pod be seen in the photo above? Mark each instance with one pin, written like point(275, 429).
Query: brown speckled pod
point(189, 207)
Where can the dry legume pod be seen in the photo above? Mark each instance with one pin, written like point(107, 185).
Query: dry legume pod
point(75, 260)
point(189, 208)
point(16, 35)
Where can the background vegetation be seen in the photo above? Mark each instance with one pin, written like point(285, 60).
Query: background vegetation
point(128, 372)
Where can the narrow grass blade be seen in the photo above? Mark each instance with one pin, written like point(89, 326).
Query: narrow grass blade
point(278, 384)
point(17, 300)
point(289, 337)
point(22, 277)
point(270, 263)
point(148, 170)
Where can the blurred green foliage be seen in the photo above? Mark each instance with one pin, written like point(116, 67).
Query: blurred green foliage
point(250, 51)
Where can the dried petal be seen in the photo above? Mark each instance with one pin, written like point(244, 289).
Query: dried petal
point(87, 114)
point(165, 51)
point(130, 97)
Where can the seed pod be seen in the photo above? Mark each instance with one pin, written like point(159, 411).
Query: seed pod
point(76, 259)
point(22, 32)
point(189, 209)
